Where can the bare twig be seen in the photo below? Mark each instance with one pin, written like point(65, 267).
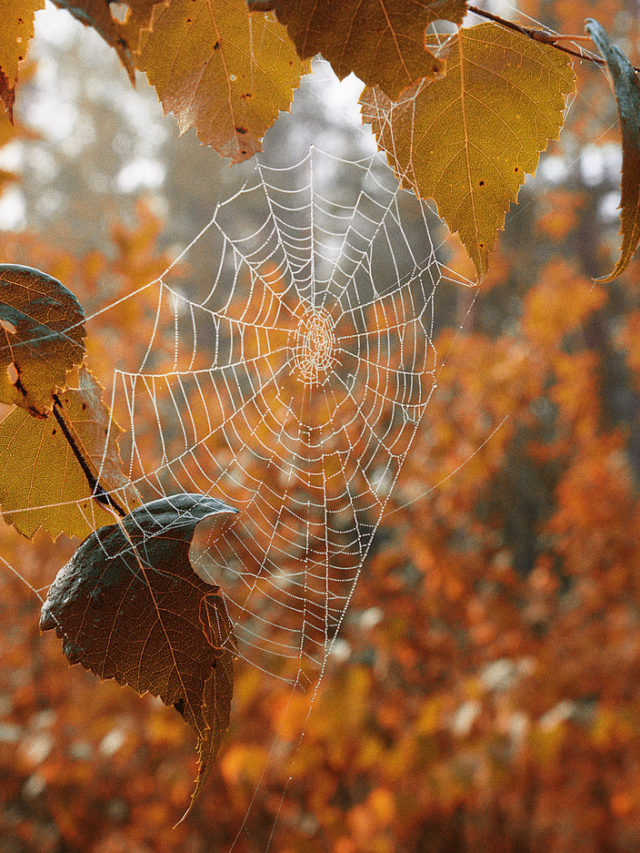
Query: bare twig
point(540, 35)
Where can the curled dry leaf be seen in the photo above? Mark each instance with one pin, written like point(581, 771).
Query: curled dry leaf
point(63, 473)
point(382, 41)
point(468, 139)
point(41, 337)
point(16, 28)
point(129, 606)
point(627, 93)
point(221, 70)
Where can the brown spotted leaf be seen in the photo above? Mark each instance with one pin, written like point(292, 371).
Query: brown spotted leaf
point(16, 28)
point(468, 139)
point(221, 70)
point(41, 337)
point(129, 606)
point(381, 41)
point(134, 28)
point(43, 483)
point(627, 93)
point(97, 14)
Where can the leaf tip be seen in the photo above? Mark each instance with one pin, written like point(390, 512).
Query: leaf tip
point(47, 619)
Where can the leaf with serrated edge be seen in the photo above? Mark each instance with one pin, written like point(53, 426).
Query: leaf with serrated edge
point(468, 139)
point(221, 70)
point(97, 14)
point(382, 41)
point(16, 28)
point(42, 484)
point(135, 26)
point(627, 93)
point(41, 337)
point(129, 606)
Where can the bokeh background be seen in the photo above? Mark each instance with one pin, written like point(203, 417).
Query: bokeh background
point(484, 693)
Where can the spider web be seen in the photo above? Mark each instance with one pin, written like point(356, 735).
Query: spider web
point(297, 384)
point(300, 373)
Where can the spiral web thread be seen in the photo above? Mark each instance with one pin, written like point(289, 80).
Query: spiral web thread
point(298, 382)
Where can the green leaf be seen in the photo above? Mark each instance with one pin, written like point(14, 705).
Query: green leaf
point(382, 41)
point(42, 482)
point(129, 606)
point(627, 94)
point(221, 70)
point(468, 139)
point(41, 337)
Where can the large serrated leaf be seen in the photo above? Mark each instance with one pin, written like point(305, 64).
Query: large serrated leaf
point(42, 482)
point(627, 93)
point(468, 139)
point(382, 41)
point(129, 606)
point(221, 70)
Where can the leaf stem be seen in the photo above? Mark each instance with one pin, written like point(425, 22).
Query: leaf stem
point(97, 490)
point(539, 35)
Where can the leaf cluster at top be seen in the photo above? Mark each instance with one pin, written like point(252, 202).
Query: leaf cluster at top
point(461, 120)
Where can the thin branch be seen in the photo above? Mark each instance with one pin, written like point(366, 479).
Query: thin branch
point(539, 35)
point(97, 491)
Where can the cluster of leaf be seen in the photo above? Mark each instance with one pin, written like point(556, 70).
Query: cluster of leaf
point(128, 605)
point(462, 119)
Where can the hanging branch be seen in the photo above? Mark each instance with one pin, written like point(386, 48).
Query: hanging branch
point(98, 491)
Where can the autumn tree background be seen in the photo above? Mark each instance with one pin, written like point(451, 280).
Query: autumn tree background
point(484, 691)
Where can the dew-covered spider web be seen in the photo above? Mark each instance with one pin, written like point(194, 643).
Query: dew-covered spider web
point(298, 377)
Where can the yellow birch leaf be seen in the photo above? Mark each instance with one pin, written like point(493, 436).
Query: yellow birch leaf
point(382, 41)
point(468, 139)
point(16, 28)
point(42, 482)
point(41, 337)
point(124, 36)
point(136, 23)
point(221, 70)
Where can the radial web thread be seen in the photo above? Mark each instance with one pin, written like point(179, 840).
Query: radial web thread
point(298, 382)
